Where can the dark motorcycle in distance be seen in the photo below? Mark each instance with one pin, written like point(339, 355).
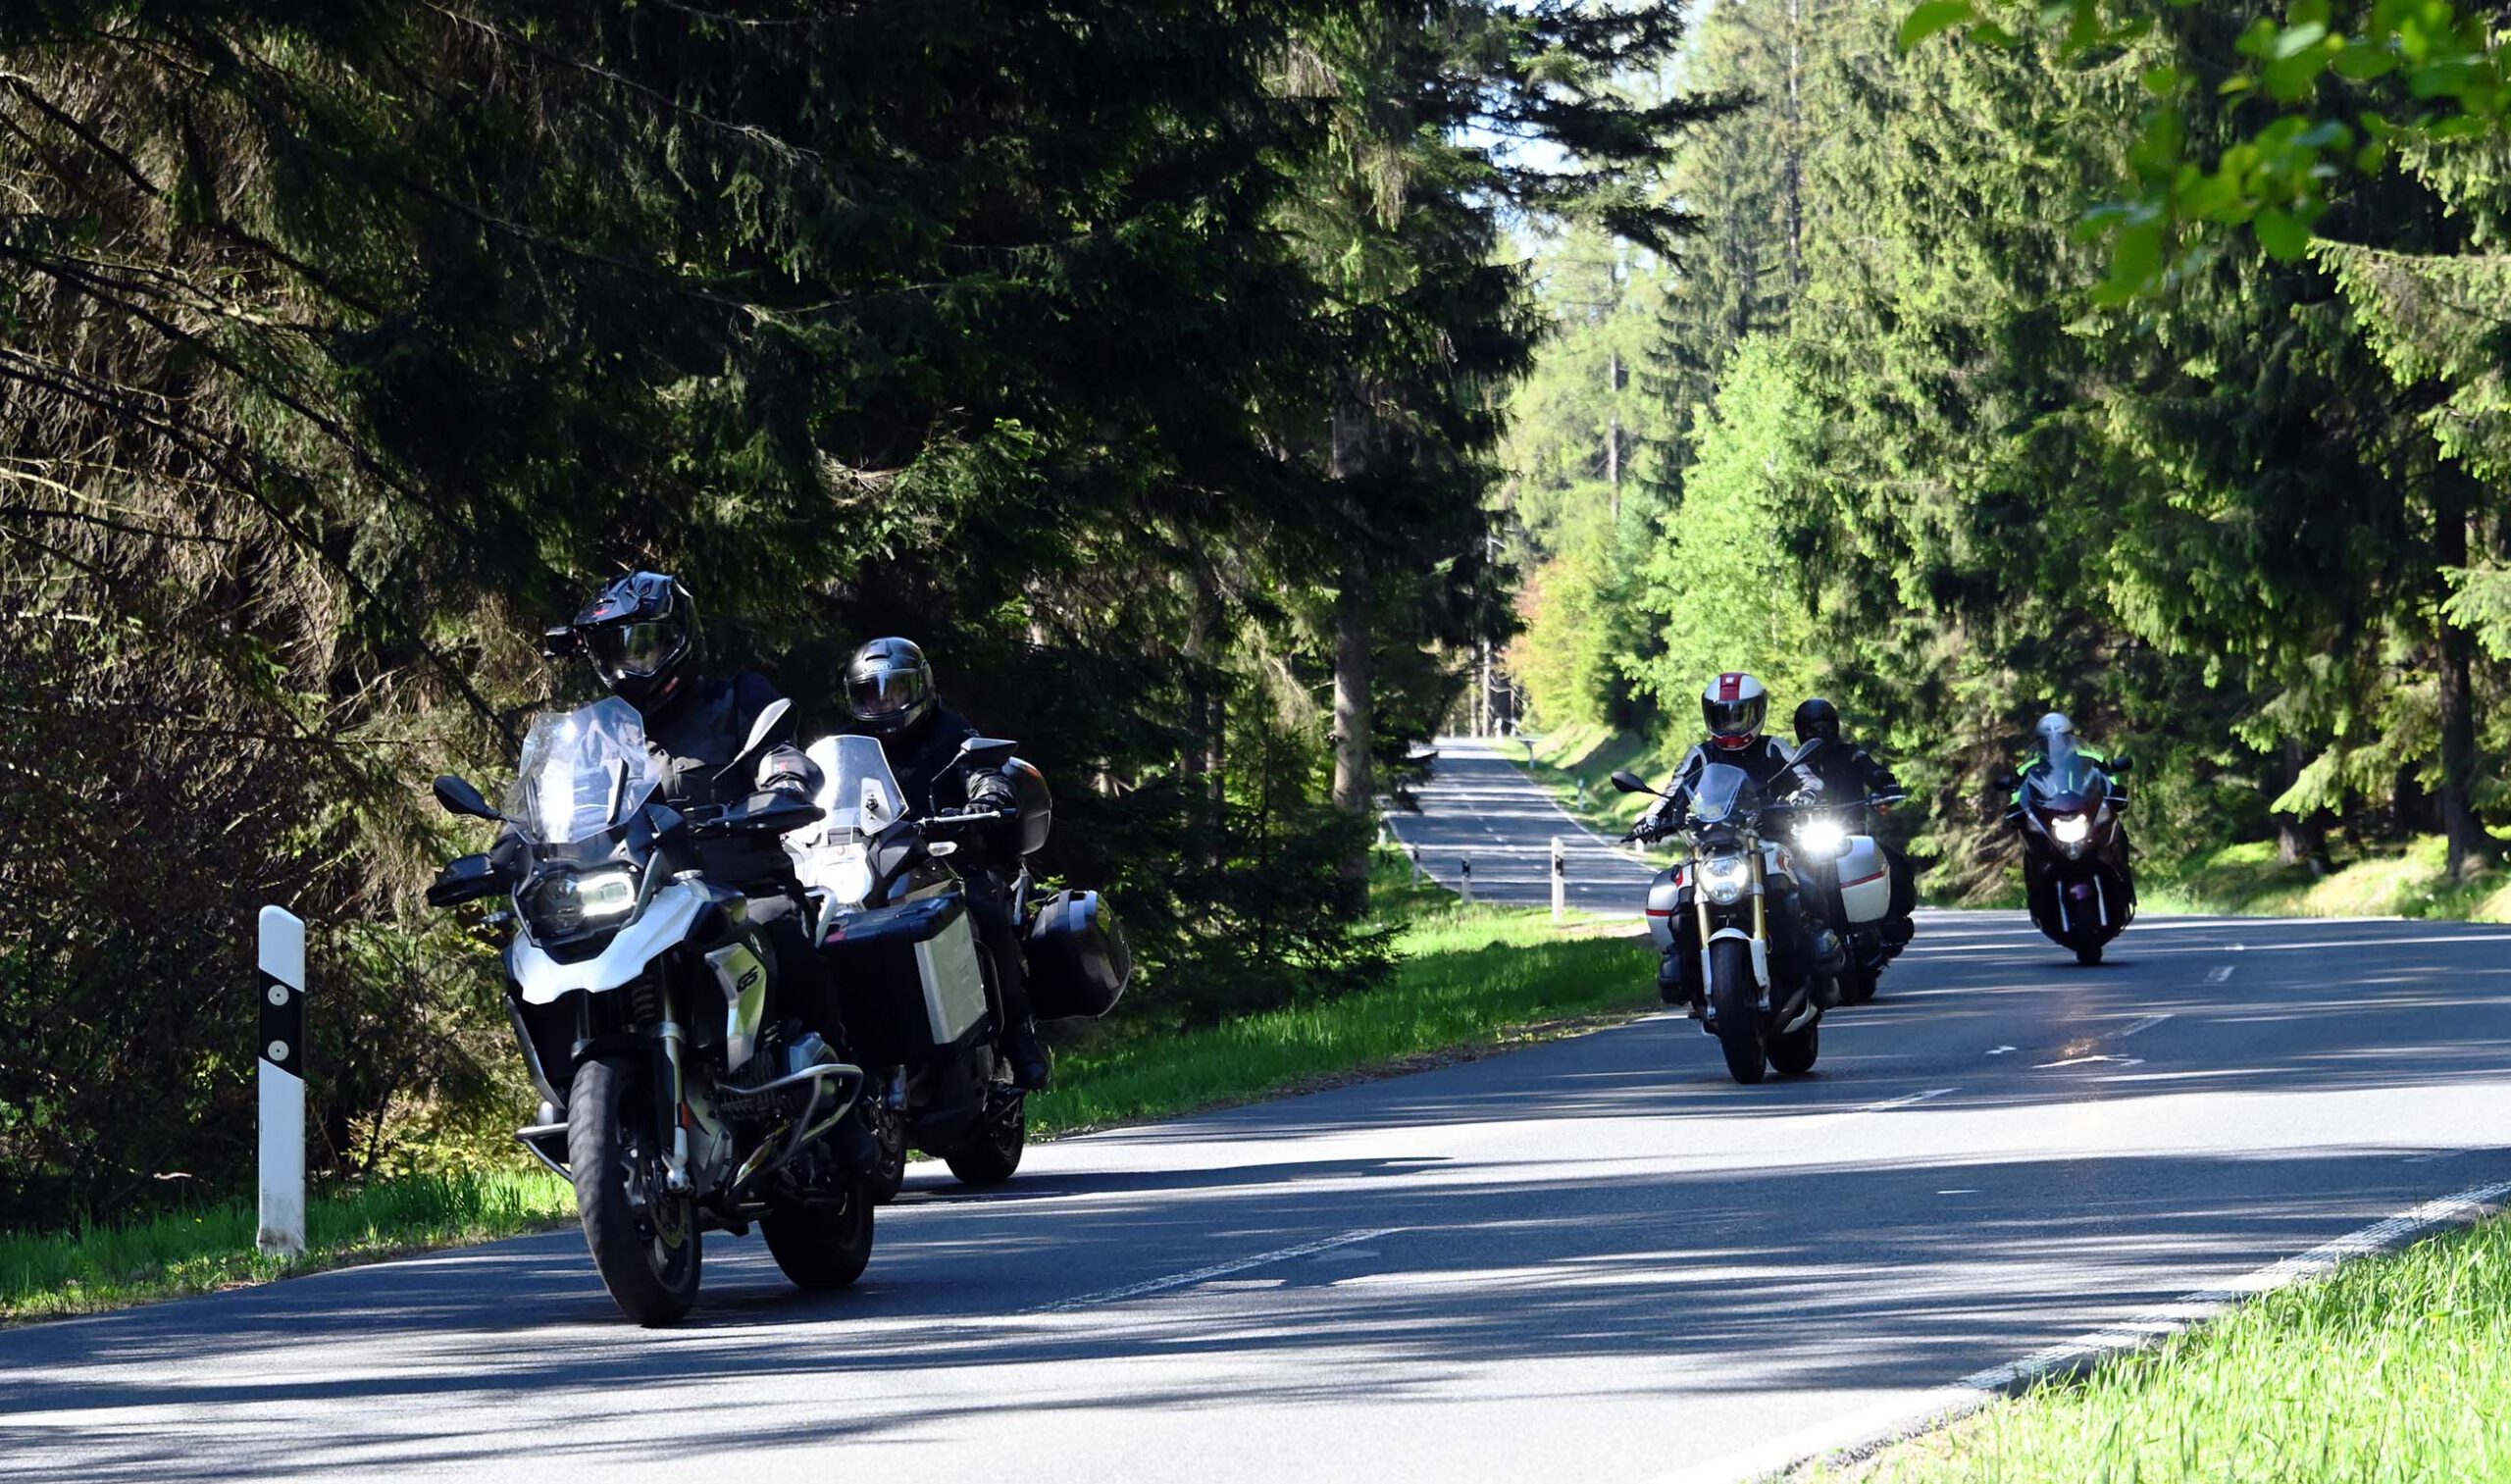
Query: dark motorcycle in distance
point(914, 976)
point(2078, 882)
point(679, 1098)
point(1745, 989)
point(1847, 880)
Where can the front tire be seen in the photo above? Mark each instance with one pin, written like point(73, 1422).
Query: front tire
point(993, 1154)
point(2090, 956)
point(824, 1246)
point(1735, 997)
point(645, 1240)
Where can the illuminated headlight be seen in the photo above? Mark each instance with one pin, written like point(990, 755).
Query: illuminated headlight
point(1725, 879)
point(564, 906)
point(1821, 838)
point(2070, 829)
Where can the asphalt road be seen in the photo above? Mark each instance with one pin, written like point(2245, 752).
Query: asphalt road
point(1595, 1258)
point(1479, 811)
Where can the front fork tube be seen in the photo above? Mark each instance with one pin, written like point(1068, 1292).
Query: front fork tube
point(673, 1107)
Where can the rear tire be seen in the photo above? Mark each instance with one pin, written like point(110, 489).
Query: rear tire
point(1857, 986)
point(993, 1154)
point(827, 1246)
point(2090, 956)
point(1793, 1054)
point(1735, 997)
point(648, 1258)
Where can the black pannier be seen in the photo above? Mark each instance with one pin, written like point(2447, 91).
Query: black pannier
point(907, 976)
point(1078, 962)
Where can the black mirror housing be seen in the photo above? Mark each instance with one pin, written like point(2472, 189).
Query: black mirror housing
point(458, 797)
point(2123, 765)
point(1629, 783)
point(762, 736)
point(2004, 778)
point(986, 752)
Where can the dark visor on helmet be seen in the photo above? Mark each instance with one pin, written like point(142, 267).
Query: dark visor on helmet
point(633, 650)
point(885, 692)
point(1739, 718)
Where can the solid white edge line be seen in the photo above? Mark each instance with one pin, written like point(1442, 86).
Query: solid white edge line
point(1863, 1433)
point(1207, 1274)
point(1889, 1104)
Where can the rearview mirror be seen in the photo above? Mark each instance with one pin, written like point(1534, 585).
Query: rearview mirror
point(762, 733)
point(986, 751)
point(2003, 778)
point(2123, 765)
point(1629, 783)
point(458, 798)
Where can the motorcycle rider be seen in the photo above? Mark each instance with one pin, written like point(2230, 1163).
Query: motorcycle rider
point(1849, 771)
point(1734, 705)
point(641, 634)
point(891, 694)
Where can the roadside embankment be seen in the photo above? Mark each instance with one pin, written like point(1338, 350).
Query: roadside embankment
point(2392, 1367)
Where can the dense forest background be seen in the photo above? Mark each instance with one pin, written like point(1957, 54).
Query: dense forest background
point(1142, 359)
point(2141, 361)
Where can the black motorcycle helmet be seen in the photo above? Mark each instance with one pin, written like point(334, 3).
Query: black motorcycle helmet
point(642, 635)
point(888, 686)
point(1818, 718)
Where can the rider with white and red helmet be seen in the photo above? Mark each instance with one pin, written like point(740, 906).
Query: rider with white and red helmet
point(1734, 705)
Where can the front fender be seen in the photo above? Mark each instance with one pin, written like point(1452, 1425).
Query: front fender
point(667, 919)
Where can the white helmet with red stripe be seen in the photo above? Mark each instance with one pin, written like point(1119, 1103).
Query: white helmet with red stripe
point(1734, 705)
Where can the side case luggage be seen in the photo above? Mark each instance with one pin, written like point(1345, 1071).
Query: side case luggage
point(1078, 962)
point(907, 976)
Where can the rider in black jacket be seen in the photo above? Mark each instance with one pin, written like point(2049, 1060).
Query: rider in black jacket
point(1849, 772)
point(889, 690)
point(642, 635)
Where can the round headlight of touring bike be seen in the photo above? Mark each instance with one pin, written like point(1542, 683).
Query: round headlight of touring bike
point(564, 906)
point(1725, 879)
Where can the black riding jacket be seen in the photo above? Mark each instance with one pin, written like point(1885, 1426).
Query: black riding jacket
point(704, 727)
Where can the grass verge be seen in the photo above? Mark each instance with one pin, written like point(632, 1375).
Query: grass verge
point(47, 1275)
point(1467, 980)
point(2391, 1368)
point(2246, 879)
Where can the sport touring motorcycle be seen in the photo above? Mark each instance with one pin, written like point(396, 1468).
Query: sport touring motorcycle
point(914, 976)
point(2077, 881)
point(1743, 985)
point(679, 1099)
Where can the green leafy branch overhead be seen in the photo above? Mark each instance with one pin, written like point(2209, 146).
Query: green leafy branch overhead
point(2323, 95)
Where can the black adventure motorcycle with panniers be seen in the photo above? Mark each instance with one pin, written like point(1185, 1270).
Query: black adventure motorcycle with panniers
point(914, 976)
point(678, 1096)
point(1847, 879)
point(1719, 919)
point(2077, 880)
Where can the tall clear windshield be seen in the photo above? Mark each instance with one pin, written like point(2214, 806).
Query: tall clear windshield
point(857, 790)
point(582, 773)
point(1725, 793)
point(2071, 775)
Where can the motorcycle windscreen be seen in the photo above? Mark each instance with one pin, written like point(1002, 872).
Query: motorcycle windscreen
point(1724, 793)
point(582, 773)
point(2068, 784)
point(857, 789)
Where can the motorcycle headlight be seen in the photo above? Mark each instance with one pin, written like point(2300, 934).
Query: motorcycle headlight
point(1821, 838)
point(564, 906)
point(2070, 829)
point(1725, 879)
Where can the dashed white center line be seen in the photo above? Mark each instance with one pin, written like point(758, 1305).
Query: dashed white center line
point(2146, 1024)
point(2219, 973)
point(1207, 1274)
point(1999, 1050)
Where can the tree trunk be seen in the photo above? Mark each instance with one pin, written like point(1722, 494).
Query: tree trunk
point(2299, 838)
point(1354, 716)
point(2471, 849)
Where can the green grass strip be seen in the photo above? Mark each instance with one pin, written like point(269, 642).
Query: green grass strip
point(49, 1274)
point(2392, 1368)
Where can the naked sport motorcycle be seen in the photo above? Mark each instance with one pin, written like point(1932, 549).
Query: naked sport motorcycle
point(1746, 990)
point(2078, 882)
point(891, 915)
point(679, 1099)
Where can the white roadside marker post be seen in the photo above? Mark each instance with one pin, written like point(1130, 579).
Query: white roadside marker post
point(283, 1083)
point(1559, 883)
point(1417, 865)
